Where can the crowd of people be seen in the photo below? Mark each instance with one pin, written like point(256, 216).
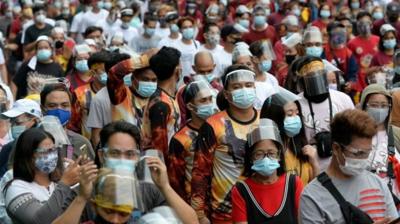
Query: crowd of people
point(188, 111)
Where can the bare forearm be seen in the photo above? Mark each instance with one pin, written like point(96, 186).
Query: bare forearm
point(4, 74)
point(73, 213)
point(182, 209)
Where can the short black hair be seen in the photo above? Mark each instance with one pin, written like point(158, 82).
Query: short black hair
point(27, 143)
point(98, 57)
point(49, 88)
point(150, 18)
point(38, 7)
point(256, 48)
point(165, 62)
point(231, 69)
point(333, 25)
point(92, 29)
point(114, 58)
point(119, 127)
point(209, 25)
point(363, 13)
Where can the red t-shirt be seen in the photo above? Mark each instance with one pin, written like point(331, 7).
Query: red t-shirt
point(268, 196)
point(318, 23)
point(363, 50)
point(268, 34)
point(381, 59)
point(275, 18)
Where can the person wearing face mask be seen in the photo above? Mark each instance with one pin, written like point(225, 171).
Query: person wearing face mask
point(377, 102)
point(188, 46)
point(242, 16)
point(292, 26)
point(24, 115)
point(391, 17)
point(200, 104)
point(230, 35)
point(111, 23)
point(352, 133)
point(79, 75)
point(148, 39)
point(377, 13)
point(312, 42)
point(171, 18)
point(364, 46)
point(212, 36)
point(341, 56)
point(300, 158)
point(38, 28)
point(387, 46)
point(40, 184)
point(355, 7)
point(42, 63)
point(125, 27)
point(324, 15)
point(318, 104)
point(56, 100)
point(119, 150)
point(266, 177)
point(163, 29)
point(222, 138)
point(83, 95)
point(266, 83)
point(260, 29)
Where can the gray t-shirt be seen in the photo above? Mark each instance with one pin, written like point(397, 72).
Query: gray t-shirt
point(100, 110)
point(140, 44)
point(366, 191)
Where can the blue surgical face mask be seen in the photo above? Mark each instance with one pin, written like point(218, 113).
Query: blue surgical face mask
point(397, 70)
point(355, 5)
point(43, 55)
point(146, 89)
point(174, 28)
point(82, 65)
point(377, 15)
point(100, 4)
point(245, 23)
point(265, 65)
point(244, 98)
point(296, 12)
point(314, 51)
point(389, 44)
point(63, 115)
point(47, 163)
point(210, 77)
point(259, 20)
point(120, 164)
point(206, 110)
point(17, 130)
point(103, 78)
point(107, 5)
point(292, 125)
point(128, 80)
point(188, 33)
point(266, 166)
point(150, 31)
point(325, 13)
point(135, 22)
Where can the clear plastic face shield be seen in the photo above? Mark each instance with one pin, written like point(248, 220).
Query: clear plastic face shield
point(200, 89)
point(282, 97)
point(314, 78)
point(161, 214)
point(116, 191)
point(267, 130)
point(52, 125)
point(241, 75)
point(142, 169)
point(268, 51)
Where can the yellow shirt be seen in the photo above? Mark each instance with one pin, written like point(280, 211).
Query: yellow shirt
point(293, 165)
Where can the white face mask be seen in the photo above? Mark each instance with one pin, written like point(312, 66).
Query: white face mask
point(353, 166)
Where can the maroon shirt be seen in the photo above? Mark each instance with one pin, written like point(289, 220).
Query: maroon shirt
point(253, 35)
point(377, 26)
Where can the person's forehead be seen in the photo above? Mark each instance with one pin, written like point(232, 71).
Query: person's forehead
point(290, 106)
point(187, 23)
point(57, 97)
point(377, 97)
point(83, 55)
point(214, 29)
point(122, 141)
point(43, 43)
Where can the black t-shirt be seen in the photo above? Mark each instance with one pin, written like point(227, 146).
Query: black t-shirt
point(20, 79)
point(32, 33)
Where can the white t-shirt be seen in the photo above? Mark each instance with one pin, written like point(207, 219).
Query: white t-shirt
point(163, 32)
point(217, 53)
point(100, 110)
point(128, 34)
point(225, 59)
point(168, 42)
point(90, 19)
point(107, 27)
point(263, 91)
point(19, 187)
point(139, 44)
point(187, 57)
point(76, 22)
point(2, 60)
point(340, 102)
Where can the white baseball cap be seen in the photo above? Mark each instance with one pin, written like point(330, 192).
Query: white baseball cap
point(24, 106)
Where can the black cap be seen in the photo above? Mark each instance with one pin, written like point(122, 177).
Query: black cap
point(393, 8)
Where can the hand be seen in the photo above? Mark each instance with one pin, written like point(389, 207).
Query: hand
point(71, 173)
point(158, 172)
point(383, 221)
point(87, 177)
point(151, 52)
point(204, 220)
point(310, 151)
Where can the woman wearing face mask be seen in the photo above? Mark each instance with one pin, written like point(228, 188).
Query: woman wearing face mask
point(264, 169)
point(324, 13)
point(80, 74)
point(355, 7)
point(42, 63)
point(376, 101)
point(200, 103)
point(300, 158)
point(39, 190)
point(387, 46)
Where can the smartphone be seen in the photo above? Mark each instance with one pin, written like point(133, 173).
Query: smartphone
point(84, 152)
point(396, 221)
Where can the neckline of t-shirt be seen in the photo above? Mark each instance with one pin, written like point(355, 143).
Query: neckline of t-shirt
point(243, 122)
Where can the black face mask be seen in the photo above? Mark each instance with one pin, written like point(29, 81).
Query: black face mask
point(290, 58)
point(393, 18)
point(59, 44)
point(318, 98)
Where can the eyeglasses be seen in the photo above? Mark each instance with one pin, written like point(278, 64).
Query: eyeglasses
point(354, 152)
point(261, 155)
point(117, 153)
point(378, 105)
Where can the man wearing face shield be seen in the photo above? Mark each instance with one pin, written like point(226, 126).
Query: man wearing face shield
point(119, 151)
point(221, 143)
point(318, 105)
point(352, 133)
point(200, 103)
